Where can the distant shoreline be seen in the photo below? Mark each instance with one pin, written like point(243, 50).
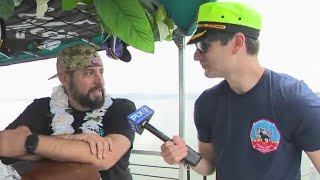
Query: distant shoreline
point(188, 96)
point(156, 96)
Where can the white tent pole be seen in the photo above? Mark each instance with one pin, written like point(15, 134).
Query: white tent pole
point(181, 46)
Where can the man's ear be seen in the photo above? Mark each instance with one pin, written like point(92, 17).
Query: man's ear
point(238, 42)
point(64, 78)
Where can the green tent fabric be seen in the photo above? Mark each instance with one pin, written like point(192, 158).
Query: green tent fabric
point(28, 38)
point(184, 13)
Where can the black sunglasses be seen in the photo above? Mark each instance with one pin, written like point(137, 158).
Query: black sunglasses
point(202, 46)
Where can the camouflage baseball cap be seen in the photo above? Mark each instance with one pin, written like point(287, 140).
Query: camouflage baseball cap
point(77, 57)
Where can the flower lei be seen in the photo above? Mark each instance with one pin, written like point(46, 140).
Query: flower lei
point(62, 120)
point(8, 172)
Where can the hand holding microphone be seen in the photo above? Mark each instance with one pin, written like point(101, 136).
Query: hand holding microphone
point(139, 121)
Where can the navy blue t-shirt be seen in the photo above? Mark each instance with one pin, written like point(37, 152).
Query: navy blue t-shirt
point(259, 135)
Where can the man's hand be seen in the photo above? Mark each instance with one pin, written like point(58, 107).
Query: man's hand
point(174, 151)
point(99, 146)
point(12, 141)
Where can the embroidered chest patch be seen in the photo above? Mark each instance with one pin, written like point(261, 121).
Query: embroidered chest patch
point(265, 136)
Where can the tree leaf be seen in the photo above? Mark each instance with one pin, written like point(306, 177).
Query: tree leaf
point(127, 20)
point(6, 9)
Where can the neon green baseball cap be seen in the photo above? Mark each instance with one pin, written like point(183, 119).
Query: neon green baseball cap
point(230, 17)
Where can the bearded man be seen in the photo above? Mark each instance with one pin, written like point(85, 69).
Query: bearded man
point(79, 122)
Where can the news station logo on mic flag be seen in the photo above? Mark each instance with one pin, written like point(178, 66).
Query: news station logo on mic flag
point(137, 118)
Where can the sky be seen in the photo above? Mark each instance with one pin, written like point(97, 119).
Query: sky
point(288, 40)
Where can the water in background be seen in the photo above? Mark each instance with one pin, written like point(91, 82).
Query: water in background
point(166, 119)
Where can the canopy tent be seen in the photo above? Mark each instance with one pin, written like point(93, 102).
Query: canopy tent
point(31, 31)
point(28, 36)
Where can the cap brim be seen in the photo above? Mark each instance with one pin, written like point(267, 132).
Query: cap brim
point(199, 35)
point(52, 77)
point(126, 56)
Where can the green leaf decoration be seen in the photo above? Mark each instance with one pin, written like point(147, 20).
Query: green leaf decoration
point(6, 9)
point(161, 14)
point(42, 7)
point(127, 20)
point(164, 23)
point(169, 23)
point(163, 30)
point(87, 1)
point(154, 27)
point(68, 5)
point(17, 2)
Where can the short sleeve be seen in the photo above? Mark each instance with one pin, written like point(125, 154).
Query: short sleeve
point(201, 123)
point(118, 123)
point(305, 107)
point(36, 116)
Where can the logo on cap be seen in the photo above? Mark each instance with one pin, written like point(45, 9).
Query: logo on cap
point(95, 60)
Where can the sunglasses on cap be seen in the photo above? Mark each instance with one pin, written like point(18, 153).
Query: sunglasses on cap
point(202, 46)
point(116, 48)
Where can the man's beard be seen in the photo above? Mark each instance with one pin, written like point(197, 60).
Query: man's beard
point(84, 99)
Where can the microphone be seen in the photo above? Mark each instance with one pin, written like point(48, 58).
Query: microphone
point(139, 120)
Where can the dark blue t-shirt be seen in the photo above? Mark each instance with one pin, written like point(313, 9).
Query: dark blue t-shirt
point(259, 135)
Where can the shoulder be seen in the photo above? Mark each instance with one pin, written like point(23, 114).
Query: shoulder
point(282, 79)
point(289, 89)
point(43, 100)
point(288, 83)
point(213, 92)
point(123, 103)
point(40, 102)
point(122, 106)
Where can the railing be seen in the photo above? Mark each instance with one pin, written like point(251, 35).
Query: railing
point(154, 176)
point(156, 153)
point(309, 174)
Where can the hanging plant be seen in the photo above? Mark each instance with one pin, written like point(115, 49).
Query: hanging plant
point(6, 9)
point(164, 23)
point(68, 5)
point(42, 7)
point(127, 20)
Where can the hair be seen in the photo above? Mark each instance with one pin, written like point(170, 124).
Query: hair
point(70, 74)
point(252, 45)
